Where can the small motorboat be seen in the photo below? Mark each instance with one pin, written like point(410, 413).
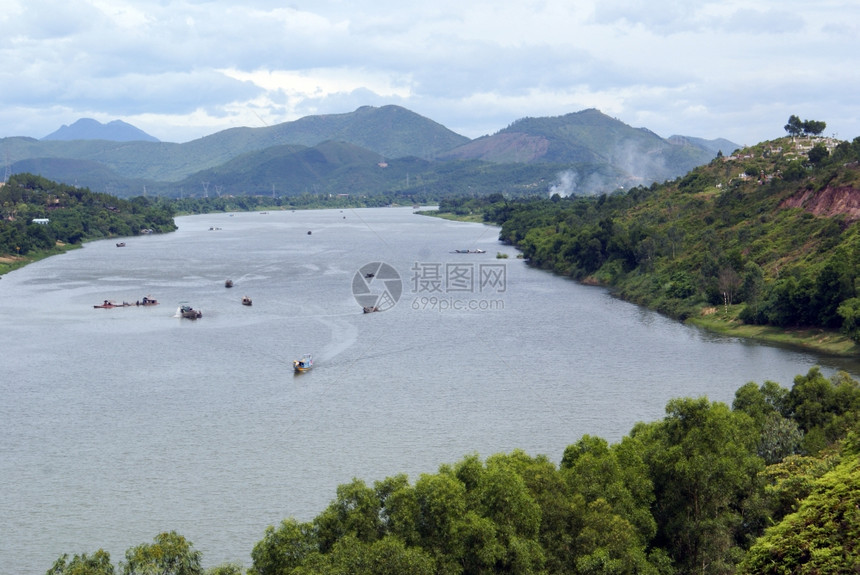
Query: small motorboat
point(120, 244)
point(303, 364)
point(189, 312)
point(147, 301)
point(228, 284)
point(246, 300)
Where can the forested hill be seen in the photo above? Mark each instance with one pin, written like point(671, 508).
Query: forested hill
point(768, 235)
point(70, 215)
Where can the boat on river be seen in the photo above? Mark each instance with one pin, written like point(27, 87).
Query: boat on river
point(228, 283)
point(303, 364)
point(246, 300)
point(146, 301)
point(108, 304)
point(189, 312)
point(474, 251)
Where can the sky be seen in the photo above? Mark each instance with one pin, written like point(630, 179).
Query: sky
point(183, 69)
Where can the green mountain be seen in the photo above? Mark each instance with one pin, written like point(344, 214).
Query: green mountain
point(591, 137)
point(89, 129)
point(587, 150)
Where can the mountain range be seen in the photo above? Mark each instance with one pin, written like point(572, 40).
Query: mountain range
point(386, 149)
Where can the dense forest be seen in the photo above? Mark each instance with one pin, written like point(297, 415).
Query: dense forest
point(70, 215)
point(768, 234)
point(770, 484)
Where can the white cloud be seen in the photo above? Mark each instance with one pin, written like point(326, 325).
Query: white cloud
point(181, 69)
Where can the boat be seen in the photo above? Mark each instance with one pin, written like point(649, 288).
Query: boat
point(120, 244)
point(228, 284)
point(189, 312)
point(108, 304)
point(147, 301)
point(303, 364)
point(475, 251)
point(246, 300)
point(369, 309)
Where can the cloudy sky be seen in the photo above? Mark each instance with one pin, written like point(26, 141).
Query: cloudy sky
point(183, 69)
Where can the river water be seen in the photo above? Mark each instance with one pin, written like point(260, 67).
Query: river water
point(118, 424)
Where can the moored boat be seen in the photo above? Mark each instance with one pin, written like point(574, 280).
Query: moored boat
point(246, 300)
point(147, 301)
point(228, 283)
point(303, 364)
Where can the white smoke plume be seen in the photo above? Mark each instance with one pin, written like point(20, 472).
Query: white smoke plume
point(565, 184)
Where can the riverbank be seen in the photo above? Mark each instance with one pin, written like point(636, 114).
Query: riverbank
point(813, 339)
point(726, 322)
point(10, 263)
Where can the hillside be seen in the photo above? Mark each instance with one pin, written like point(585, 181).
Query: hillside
point(597, 152)
point(767, 236)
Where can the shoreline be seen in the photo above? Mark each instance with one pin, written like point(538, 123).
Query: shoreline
point(817, 340)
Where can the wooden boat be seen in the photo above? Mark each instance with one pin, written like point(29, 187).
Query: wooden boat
point(228, 283)
point(246, 300)
point(303, 364)
point(189, 312)
point(108, 304)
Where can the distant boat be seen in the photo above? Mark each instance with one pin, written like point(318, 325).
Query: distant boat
point(146, 301)
point(369, 309)
point(246, 300)
point(108, 304)
point(228, 284)
point(475, 251)
point(189, 312)
point(120, 244)
point(303, 364)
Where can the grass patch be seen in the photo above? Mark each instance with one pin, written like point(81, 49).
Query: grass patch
point(828, 342)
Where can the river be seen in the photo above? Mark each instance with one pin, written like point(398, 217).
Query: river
point(118, 424)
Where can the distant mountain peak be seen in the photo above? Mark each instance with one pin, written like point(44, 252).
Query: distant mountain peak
point(89, 129)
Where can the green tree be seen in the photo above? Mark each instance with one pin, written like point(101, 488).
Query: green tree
point(170, 554)
point(96, 564)
point(283, 549)
point(813, 127)
point(794, 127)
point(703, 464)
point(822, 536)
point(356, 511)
point(817, 154)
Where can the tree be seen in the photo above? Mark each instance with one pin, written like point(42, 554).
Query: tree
point(822, 536)
point(794, 127)
point(170, 554)
point(813, 127)
point(817, 154)
point(96, 564)
point(703, 464)
point(282, 549)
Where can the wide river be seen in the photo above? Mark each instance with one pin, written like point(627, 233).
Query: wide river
point(119, 424)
